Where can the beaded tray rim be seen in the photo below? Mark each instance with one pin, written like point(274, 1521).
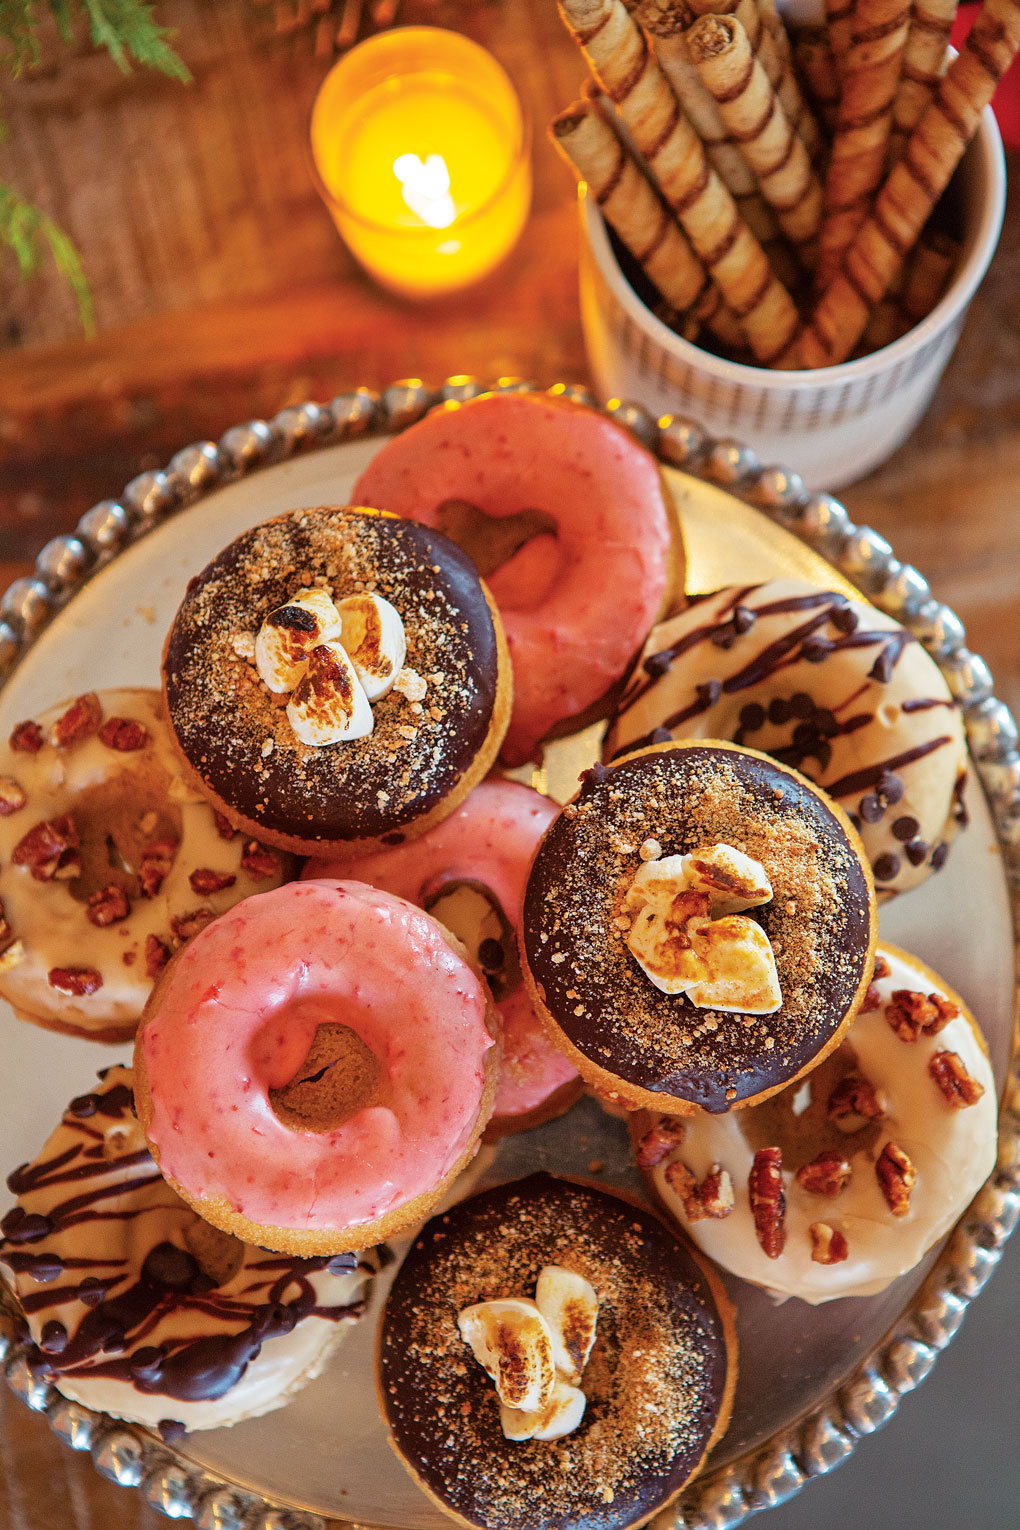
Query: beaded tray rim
point(868, 1398)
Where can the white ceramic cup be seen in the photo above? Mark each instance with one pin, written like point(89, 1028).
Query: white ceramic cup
point(832, 425)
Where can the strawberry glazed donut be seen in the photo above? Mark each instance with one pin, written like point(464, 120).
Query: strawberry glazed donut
point(566, 516)
point(314, 1069)
point(470, 872)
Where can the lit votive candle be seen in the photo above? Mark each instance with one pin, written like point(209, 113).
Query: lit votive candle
point(421, 150)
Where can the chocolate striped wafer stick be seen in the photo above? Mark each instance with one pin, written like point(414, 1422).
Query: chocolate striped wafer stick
point(924, 57)
point(752, 112)
point(870, 80)
point(914, 185)
point(627, 72)
point(914, 292)
point(641, 218)
point(666, 23)
point(813, 57)
point(777, 67)
point(839, 16)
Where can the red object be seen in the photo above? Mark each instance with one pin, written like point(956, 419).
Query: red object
point(1006, 104)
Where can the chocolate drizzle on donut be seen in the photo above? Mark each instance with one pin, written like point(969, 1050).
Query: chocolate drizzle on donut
point(806, 641)
point(818, 922)
point(223, 716)
point(115, 1307)
point(655, 1382)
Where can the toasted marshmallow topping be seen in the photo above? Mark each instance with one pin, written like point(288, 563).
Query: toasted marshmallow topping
point(535, 1352)
point(373, 635)
point(288, 635)
point(511, 1341)
point(329, 704)
point(723, 963)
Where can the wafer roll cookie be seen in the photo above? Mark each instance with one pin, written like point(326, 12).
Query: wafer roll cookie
point(914, 185)
point(927, 274)
point(617, 52)
point(924, 57)
point(839, 16)
point(777, 67)
point(855, 171)
point(813, 56)
point(665, 22)
point(776, 28)
point(641, 218)
point(752, 113)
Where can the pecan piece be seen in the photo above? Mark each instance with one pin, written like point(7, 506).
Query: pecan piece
point(948, 1071)
point(912, 1014)
point(79, 722)
point(108, 906)
point(828, 1246)
point(12, 796)
point(682, 1182)
point(5, 930)
point(205, 881)
point(896, 1175)
point(123, 734)
point(768, 1200)
point(825, 1175)
point(872, 999)
point(155, 863)
point(156, 955)
point(716, 1193)
point(224, 828)
point(881, 969)
point(259, 862)
point(27, 738)
point(186, 925)
point(42, 848)
point(77, 981)
point(852, 1104)
point(658, 1143)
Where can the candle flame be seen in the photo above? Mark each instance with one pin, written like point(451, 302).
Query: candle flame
point(425, 187)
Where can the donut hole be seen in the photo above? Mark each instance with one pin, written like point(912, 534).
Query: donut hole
point(796, 1120)
point(118, 824)
point(219, 1254)
point(472, 912)
point(491, 540)
point(339, 1076)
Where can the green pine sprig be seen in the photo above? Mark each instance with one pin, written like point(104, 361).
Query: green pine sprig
point(129, 32)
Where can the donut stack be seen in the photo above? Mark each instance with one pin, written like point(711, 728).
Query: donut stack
point(692, 938)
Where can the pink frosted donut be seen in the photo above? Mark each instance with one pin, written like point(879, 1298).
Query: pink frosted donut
point(234, 1085)
point(576, 604)
point(488, 842)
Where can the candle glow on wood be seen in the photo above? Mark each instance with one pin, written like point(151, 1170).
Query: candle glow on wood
point(419, 143)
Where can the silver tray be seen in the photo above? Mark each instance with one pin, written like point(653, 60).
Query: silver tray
point(833, 1373)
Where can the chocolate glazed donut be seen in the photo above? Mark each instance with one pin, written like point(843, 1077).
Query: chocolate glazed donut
point(659, 1382)
point(423, 755)
point(648, 1048)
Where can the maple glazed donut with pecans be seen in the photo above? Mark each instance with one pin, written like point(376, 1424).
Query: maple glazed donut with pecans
point(134, 1306)
point(108, 862)
point(831, 686)
point(636, 1316)
point(337, 679)
point(469, 872)
point(348, 1057)
point(698, 927)
point(566, 514)
point(836, 1186)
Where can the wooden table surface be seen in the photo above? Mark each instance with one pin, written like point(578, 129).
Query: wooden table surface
point(79, 417)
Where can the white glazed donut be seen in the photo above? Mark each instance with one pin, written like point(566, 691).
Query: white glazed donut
point(829, 685)
point(108, 862)
point(145, 1311)
point(950, 1148)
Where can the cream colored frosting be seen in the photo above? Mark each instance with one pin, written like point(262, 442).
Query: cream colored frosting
point(93, 782)
point(763, 646)
point(952, 1150)
point(106, 1150)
